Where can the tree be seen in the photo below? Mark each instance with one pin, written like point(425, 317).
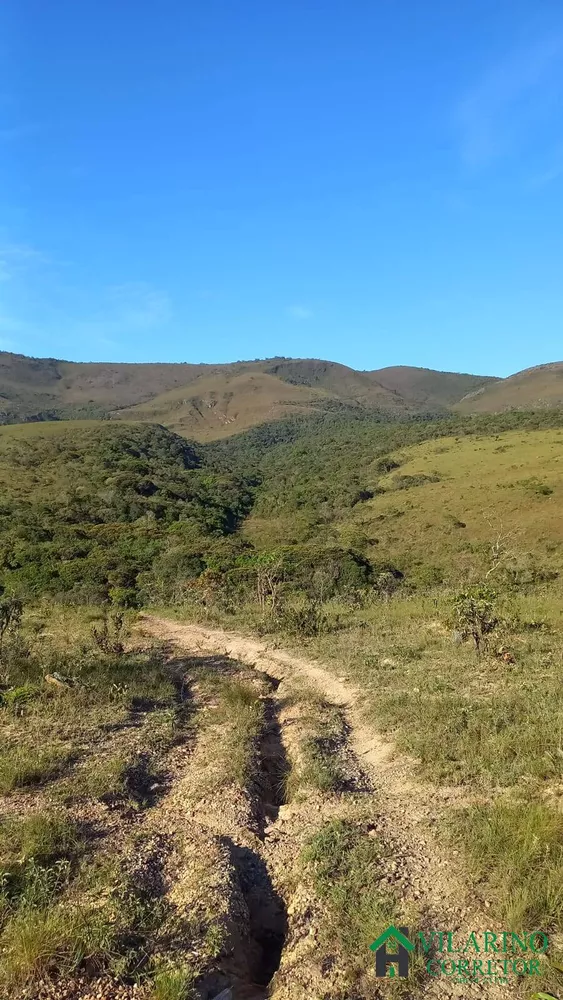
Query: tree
point(269, 577)
point(475, 614)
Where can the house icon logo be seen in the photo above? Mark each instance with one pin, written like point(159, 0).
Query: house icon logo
point(385, 960)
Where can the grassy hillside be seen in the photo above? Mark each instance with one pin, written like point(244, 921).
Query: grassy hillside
point(428, 388)
point(214, 401)
point(219, 405)
point(529, 389)
point(44, 388)
point(438, 510)
point(90, 508)
point(420, 559)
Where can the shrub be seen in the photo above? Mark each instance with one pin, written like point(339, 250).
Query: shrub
point(306, 621)
point(475, 614)
point(108, 637)
point(11, 610)
point(407, 482)
point(16, 698)
point(386, 464)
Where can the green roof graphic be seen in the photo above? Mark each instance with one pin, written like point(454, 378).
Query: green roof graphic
point(392, 932)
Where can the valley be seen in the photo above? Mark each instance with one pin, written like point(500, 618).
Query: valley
point(264, 695)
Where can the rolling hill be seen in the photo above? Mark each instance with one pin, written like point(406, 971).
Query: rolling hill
point(433, 508)
point(431, 389)
point(533, 388)
point(213, 401)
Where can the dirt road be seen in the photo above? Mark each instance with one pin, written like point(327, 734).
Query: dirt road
point(427, 874)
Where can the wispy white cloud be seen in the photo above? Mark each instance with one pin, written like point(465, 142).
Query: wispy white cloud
point(47, 309)
point(34, 305)
point(503, 107)
point(300, 312)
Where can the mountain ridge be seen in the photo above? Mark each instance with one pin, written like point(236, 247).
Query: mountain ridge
point(210, 401)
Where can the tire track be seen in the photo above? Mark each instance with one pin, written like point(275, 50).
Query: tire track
point(427, 874)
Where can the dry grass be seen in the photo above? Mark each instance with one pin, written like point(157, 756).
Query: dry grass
point(29, 765)
point(232, 724)
point(535, 387)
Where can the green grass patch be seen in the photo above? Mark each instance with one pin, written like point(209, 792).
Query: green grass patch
point(238, 715)
point(320, 764)
point(516, 849)
point(101, 777)
point(45, 836)
point(21, 766)
point(173, 984)
point(345, 864)
point(39, 941)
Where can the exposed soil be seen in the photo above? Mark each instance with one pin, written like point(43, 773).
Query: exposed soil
point(425, 874)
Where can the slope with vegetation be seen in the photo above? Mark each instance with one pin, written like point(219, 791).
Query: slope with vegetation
point(86, 508)
point(213, 401)
point(533, 388)
point(420, 559)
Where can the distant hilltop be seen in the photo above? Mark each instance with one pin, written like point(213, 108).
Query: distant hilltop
point(214, 401)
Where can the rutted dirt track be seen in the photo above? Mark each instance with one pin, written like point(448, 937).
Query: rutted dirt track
point(425, 875)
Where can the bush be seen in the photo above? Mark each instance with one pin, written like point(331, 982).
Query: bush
point(475, 614)
point(11, 610)
point(108, 637)
point(407, 482)
point(16, 698)
point(305, 622)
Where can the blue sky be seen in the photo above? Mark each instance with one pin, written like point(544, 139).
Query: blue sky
point(375, 183)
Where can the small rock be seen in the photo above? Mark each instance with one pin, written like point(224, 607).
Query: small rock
point(56, 680)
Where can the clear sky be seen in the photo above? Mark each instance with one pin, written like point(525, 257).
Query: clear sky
point(374, 182)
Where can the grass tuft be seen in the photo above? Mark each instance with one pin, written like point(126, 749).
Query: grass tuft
point(516, 848)
point(346, 866)
point(21, 766)
point(40, 940)
point(173, 984)
point(44, 836)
